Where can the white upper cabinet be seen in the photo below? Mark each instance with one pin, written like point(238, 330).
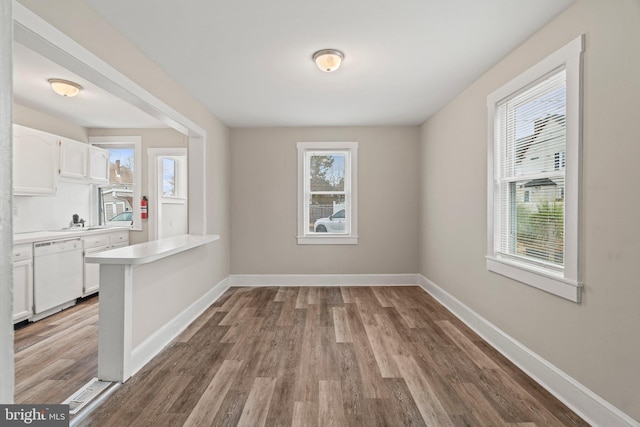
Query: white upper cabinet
point(98, 164)
point(73, 158)
point(35, 165)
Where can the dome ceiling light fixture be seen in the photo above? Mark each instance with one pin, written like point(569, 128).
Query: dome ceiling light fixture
point(328, 60)
point(65, 87)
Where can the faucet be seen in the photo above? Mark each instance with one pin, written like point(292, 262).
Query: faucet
point(76, 221)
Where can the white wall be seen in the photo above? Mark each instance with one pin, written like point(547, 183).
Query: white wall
point(54, 212)
point(596, 342)
point(264, 202)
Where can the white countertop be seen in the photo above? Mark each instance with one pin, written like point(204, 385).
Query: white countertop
point(144, 253)
point(36, 236)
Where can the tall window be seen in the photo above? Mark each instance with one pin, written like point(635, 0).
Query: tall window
point(534, 161)
point(327, 196)
point(169, 177)
point(118, 202)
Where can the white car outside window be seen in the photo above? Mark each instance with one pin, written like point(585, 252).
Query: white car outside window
point(332, 224)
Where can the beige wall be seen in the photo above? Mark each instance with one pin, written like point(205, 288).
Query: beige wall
point(264, 203)
point(31, 118)
point(596, 342)
point(77, 20)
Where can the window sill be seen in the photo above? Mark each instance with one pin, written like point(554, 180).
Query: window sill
point(328, 240)
point(536, 277)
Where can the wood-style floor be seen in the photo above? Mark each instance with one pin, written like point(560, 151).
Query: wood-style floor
point(384, 356)
point(57, 355)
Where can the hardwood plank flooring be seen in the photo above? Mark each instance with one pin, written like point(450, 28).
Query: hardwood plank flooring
point(57, 355)
point(350, 356)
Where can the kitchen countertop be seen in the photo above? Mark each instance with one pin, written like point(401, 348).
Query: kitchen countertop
point(37, 236)
point(144, 253)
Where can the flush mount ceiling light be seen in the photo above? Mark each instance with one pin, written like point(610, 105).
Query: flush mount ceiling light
point(65, 87)
point(328, 60)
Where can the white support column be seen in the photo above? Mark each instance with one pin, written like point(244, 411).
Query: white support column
point(6, 205)
point(115, 322)
point(197, 159)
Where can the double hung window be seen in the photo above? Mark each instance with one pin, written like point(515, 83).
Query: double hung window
point(327, 193)
point(118, 201)
point(534, 170)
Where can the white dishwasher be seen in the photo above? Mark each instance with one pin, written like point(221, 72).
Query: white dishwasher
point(57, 275)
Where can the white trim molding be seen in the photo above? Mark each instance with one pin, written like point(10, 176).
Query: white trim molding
point(584, 402)
point(258, 280)
point(126, 141)
point(350, 151)
point(567, 281)
point(152, 346)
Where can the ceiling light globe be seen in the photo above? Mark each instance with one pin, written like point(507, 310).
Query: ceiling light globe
point(328, 60)
point(65, 87)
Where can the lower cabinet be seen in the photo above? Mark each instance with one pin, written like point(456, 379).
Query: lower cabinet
point(22, 282)
point(23, 270)
point(99, 243)
point(93, 244)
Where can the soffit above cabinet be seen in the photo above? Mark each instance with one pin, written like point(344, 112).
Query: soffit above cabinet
point(92, 108)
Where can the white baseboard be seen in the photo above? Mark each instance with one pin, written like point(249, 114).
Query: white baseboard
point(588, 405)
point(254, 280)
point(153, 345)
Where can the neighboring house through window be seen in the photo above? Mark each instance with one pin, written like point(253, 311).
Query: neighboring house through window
point(122, 193)
point(327, 202)
point(534, 169)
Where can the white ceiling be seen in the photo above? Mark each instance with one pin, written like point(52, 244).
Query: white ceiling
point(249, 62)
point(92, 108)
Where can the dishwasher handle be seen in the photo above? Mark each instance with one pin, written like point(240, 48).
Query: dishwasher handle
point(56, 246)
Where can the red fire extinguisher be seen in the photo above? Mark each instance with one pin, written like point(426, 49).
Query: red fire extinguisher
point(144, 203)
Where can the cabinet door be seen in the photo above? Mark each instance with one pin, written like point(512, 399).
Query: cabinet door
point(22, 290)
point(35, 166)
point(120, 238)
point(73, 158)
point(98, 164)
point(91, 277)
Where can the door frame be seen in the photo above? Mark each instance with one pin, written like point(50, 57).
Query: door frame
point(153, 156)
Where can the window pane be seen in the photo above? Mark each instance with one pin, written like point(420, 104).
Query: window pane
point(327, 172)
point(168, 177)
point(534, 129)
point(327, 213)
point(121, 165)
point(532, 145)
point(538, 224)
point(116, 199)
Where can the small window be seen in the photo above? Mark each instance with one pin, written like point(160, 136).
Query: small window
point(169, 174)
point(327, 193)
point(534, 162)
point(172, 178)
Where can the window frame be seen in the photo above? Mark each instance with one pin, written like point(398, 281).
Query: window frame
point(567, 282)
point(124, 141)
point(180, 179)
point(304, 236)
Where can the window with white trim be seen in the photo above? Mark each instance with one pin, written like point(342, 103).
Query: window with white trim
point(327, 202)
point(118, 202)
point(534, 173)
